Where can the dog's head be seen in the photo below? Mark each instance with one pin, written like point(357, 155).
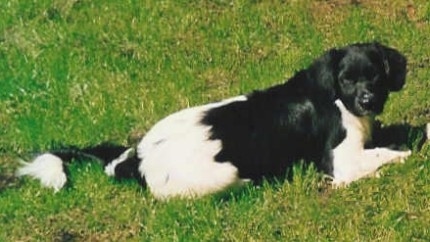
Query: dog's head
point(363, 75)
point(366, 74)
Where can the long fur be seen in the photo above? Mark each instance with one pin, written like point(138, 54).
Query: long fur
point(322, 115)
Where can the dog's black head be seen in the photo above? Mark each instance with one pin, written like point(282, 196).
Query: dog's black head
point(366, 74)
point(362, 75)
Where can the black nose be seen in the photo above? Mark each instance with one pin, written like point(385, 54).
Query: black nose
point(366, 99)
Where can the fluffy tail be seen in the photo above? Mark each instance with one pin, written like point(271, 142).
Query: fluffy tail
point(49, 167)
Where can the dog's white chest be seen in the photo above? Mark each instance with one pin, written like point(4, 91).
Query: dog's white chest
point(350, 160)
point(348, 154)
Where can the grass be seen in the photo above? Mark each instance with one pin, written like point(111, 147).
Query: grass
point(81, 72)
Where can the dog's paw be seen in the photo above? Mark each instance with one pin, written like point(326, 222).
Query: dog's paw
point(338, 184)
point(403, 155)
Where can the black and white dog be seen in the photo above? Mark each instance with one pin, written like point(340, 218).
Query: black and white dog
point(322, 115)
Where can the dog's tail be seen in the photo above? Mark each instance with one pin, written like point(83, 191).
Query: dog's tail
point(50, 167)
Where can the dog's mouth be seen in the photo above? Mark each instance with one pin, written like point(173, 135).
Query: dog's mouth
point(362, 110)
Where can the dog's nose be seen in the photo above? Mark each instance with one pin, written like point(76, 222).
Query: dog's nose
point(367, 99)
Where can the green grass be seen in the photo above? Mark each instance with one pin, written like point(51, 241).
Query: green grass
point(81, 72)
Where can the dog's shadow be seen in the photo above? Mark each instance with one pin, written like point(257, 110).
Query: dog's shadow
point(398, 136)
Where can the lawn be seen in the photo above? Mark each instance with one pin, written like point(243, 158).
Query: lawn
point(81, 72)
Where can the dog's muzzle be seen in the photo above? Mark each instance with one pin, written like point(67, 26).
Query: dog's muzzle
point(367, 101)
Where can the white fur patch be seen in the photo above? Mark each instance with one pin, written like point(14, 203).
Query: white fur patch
point(47, 168)
point(350, 160)
point(178, 156)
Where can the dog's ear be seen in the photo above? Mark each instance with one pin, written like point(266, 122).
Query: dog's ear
point(395, 67)
point(324, 71)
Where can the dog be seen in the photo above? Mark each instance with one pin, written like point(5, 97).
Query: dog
point(323, 115)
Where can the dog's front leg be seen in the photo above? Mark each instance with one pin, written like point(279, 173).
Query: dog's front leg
point(365, 163)
point(377, 157)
